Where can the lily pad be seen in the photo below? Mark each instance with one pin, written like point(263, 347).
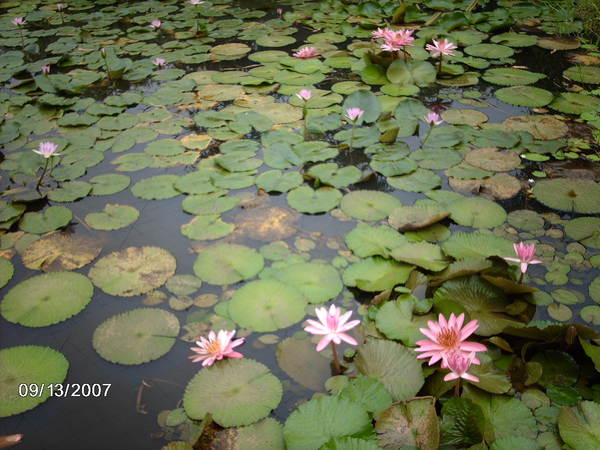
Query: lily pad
point(33, 366)
point(409, 218)
point(47, 299)
point(207, 227)
point(569, 194)
point(584, 229)
point(376, 274)
point(511, 77)
point(539, 126)
point(475, 245)
point(133, 271)
point(583, 74)
point(493, 159)
point(52, 218)
point(332, 175)
point(314, 201)
point(137, 336)
point(267, 305)
point(366, 240)
point(572, 103)
point(477, 212)
point(235, 392)
point(60, 251)
point(369, 205)
point(297, 358)
point(524, 96)
point(112, 217)
point(109, 183)
point(227, 264)
point(422, 254)
point(278, 181)
point(421, 180)
point(157, 187)
point(7, 271)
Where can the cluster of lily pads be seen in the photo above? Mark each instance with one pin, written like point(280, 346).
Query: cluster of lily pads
point(414, 137)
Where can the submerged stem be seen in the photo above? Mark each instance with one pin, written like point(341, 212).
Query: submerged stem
point(352, 135)
point(336, 361)
point(37, 186)
point(457, 388)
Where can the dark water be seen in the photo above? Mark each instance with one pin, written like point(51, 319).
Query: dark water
point(113, 421)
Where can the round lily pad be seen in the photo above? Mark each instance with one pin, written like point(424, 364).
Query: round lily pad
point(7, 271)
point(594, 289)
point(60, 251)
point(317, 281)
point(228, 264)
point(525, 219)
point(421, 180)
point(70, 191)
point(369, 205)
point(524, 96)
point(267, 305)
point(511, 77)
point(235, 392)
point(112, 217)
point(489, 51)
point(569, 194)
point(164, 147)
point(47, 299)
point(409, 218)
point(137, 336)
point(133, 271)
point(278, 181)
point(275, 40)
point(230, 49)
point(470, 117)
point(156, 188)
point(313, 201)
point(540, 127)
point(558, 43)
point(109, 183)
point(52, 218)
point(583, 74)
point(376, 274)
point(494, 159)
point(33, 366)
point(584, 229)
point(331, 174)
point(206, 227)
point(572, 103)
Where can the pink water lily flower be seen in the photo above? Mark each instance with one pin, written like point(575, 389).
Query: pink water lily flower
point(216, 347)
point(459, 363)
point(443, 47)
point(433, 118)
point(159, 62)
point(155, 24)
point(332, 326)
point(196, 2)
point(526, 255)
point(18, 21)
point(446, 337)
point(354, 114)
point(396, 40)
point(304, 94)
point(60, 6)
point(306, 52)
point(47, 149)
point(45, 70)
point(279, 11)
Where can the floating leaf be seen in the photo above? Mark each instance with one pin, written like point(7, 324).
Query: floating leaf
point(156, 188)
point(7, 271)
point(112, 217)
point(578, 425)
point(109, 183)
point(235, 392)
point(267, 305)
point(376, 274)
point(133, 271)
point(494, 159)
point(369, 205)
point(332, 175)
point(583, 74)
point(477, 212)
point(278, 181)
point(573, 103)
point(206, 227)
point(33, 366)
point(52, 218)
point(422, 254)
point(70, 191)
point(60, 251)
point(540, 127)
point(228, 264)
point(47, 299)
point(489, 51)
point(511, 77)
point(417, 73)
point(569, 194)
point(321, 419)
point(366, 240)
point(524, 96)
point(298, 358)
point(137, 336)
point(474, 245)
point(314, 201)
point(420, 180)
point(393, 365)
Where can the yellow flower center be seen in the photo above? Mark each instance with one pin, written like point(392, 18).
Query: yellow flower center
point(448, 338)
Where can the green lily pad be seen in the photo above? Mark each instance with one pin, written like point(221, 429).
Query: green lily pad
point(112, 217)
point(267, 305)
point(477, 212)
point(228, 264)
point(70, 191)
point(417, 73)
point(33, 366)
point(393, 365)
point(511, 77)
point(7, 271)
point(297, 357)
point(470, 117)
point(558, 368)
point(578, 425)
point(366, 101)
point(137, 336)
point(494, 159)
point(321, 419)
point(278, 181)
point(514, 39)
point(489, 51)
point(524, 96)
point(332, 175)
point(584, 229)
point(207, 227)
point(541, 127)
point(369, 205)
point(274, 40)
point(421, 180)
point(317, 281)
point(133, 271)
point(569, 194)
point(157, 187)
point(376, 274)
point(52, 218)
point(208, 204)
point(476, 245)
point(314, 201)
point(109, 183)
point(410, 218)
point(235, 392)
point(164, 147)
point(422, 254)
point(366, 240)
point(583, 74)
point(47, 299)
point(572, 103)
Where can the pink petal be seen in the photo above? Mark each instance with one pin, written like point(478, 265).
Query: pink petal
point(468, 376)
point(429, 334)
point(472, 347)
point(315, 330)
point(234, 355)
point(349, 325)
point(512, 259)
point(324, 342)
point(469, 329)
point(451, 376)
point(349, 339)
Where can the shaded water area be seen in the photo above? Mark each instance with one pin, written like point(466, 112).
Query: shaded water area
point(127, 415)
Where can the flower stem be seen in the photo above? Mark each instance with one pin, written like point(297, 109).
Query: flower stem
point(304, 118)
point(336, 360)
point(428, 133)
point(521, 277)
point(457, 388)
point(37, 186)
point(62, 18)
point(22, 38)
point(352, 136)
point(440, 64)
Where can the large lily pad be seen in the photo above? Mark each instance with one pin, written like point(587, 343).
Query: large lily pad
point(511, 77)
point(33, 366)
point(569, 194)
point(422, 254)
point(60, 251)
point(137, 336)
point(319, 420)
point(47, 299)
point(267, 305)
point(583, 74)
point(133, 271)
point(314, 201)
point(228, 264)
point(524, 96)
point(477, 212)
point(409, 218)
point(376, 274)
point(112, 217)
point(539, 126)
point(393, 364)
point(318, 282)
point(584, 229)
point(366, 240)
point(369, 205)
point(579, 426)
point(235, 392)
point(52, 218)
point(297, 357)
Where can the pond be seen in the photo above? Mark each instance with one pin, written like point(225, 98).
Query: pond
point(172, 169)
